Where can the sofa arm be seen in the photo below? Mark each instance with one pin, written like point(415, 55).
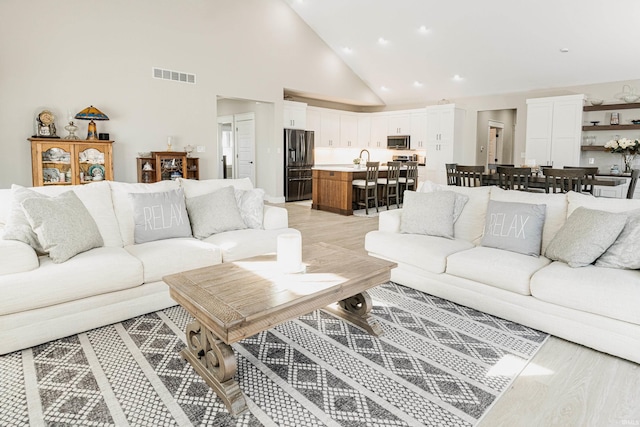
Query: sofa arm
point(390, 220)
point(17, 257)
point(275, 217)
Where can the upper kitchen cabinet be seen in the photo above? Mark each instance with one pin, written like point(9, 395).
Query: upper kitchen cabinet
point(329, 129)
point(445, 124)
point(419, 130)
point(379, 130)
point(349, 130)
point(295, 115)
point(364, 130)
point(399, 124)
point(554, 128)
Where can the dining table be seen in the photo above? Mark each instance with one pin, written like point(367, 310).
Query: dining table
point(540, 182)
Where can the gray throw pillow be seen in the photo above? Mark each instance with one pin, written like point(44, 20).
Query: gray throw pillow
point(18, 227)
point(214, 213)
point(251, 206)
point(624, 251)
point(160, 215)
point(428, 213)
point(63, 225)
point(585, 236)
point(515, 227)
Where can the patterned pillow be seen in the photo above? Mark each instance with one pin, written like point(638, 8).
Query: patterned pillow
point(428, 213)
point(624, 251)
point(214, 213)
point(160, 215)
point(251, 205)
point(515, 227)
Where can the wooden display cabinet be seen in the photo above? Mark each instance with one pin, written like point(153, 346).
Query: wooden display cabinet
point(70, 161)
point(165, 165)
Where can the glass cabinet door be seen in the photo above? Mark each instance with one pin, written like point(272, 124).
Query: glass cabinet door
point(56, 164)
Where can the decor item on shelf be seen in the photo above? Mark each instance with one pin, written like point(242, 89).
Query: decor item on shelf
point(188, 149)
point(595, 123)
point(91, 113)
point(629, 149)
point(169, 146)
point(147, 167)
point(628, 94)
point(615, 119)
point(595, 101)
point(635, 122)
point(45, 125)
point(71, 128)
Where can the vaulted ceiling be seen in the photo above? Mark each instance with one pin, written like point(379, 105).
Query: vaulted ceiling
point(416, 51)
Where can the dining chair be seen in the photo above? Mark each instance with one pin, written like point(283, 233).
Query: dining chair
point(367, 189)
point(563, 180)
point(390, 184)
point(493, 167)
point(451, 173)
point(632, 184)
point(469, 176)
point(512, 178)
point(590, 173)
point(410, 181)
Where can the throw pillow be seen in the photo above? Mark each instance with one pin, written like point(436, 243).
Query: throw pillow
point(515, 227)
point(428, 213)
point(214, 213)
point(585, 236)
point(461, 199)
point(624, 251)
point(18, 227)
point(251, 205)
point(63, 225)
point(161, 215)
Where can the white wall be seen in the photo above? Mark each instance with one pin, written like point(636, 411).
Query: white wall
point(68, 55)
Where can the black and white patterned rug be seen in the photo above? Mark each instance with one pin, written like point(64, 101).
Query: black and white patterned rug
point(437, 364)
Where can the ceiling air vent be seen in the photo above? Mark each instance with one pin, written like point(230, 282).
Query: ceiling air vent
point(176, 76)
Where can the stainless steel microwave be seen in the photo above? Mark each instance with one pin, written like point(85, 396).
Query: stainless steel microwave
point(399, 142)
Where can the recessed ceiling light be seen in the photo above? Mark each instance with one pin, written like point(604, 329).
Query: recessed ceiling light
point(418, 84)
point(382, 40)
point(564, 50)
point(423, 29)
point(347, 49)
point(384, 88)
point(458, 78)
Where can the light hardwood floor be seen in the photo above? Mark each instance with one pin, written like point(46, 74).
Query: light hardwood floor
point(564, 385)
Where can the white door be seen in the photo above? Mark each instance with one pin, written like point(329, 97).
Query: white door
point(246, 146)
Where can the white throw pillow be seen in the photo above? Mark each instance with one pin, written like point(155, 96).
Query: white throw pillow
point(251, 205)
point(195, 188)
point(428, 213)
point(214, 213)
point(63, 225)
point(161, 215)
point(18, 226)
point(624, 253)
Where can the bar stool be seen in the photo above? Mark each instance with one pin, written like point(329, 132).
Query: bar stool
point(390, 184)
point(409, 182)
point(367, 189)
point(451, 173)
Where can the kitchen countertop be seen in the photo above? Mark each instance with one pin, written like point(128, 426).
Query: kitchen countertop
point(348, 168)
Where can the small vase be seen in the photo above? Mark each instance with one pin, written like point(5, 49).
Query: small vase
point(628, 162)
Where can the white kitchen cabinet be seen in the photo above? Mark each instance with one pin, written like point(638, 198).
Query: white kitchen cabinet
point(349, 130)
point(419, 130)
point(294, 114)
point(364, 130)
point(399, 124)
point(445, 124)
point(379, 130)
point(329, 129)
point(554, 130)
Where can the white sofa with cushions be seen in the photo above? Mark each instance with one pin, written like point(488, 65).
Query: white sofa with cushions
point(95, 254)
point(580, 283)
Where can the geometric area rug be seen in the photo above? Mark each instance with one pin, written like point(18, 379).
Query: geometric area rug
point(437, 364)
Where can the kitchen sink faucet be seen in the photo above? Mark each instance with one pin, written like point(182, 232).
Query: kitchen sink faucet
point(364, 150)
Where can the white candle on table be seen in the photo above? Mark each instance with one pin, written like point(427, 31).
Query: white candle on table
point(289, 255)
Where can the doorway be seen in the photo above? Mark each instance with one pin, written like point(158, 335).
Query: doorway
point(226, 147)
point(495, 133)
point(494, 147)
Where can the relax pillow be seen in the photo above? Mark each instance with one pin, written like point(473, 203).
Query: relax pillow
point(251, 206)
point(624, 252)
point(214, 213)
point(515, 227)
point(585, 236)
point(428, 213)
point(63, 225)
point(161, 215)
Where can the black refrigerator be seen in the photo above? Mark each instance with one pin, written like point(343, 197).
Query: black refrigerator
point(298, 160)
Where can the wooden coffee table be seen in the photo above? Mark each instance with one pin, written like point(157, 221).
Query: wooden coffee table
point(235, 300)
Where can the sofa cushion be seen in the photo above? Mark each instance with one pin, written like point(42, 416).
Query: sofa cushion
point(17, 257)
point(502, 269)
point(214, 213)
point(162, 257)
point(428, 213)
point(604, 291)
point(63, 225)
point(470, 224)
point(514, 226)
point(95, 272)
point(426, 252)
point(585, 236)
point(239, 244)
point(556, 212)
point(624, 253)
point(123, 206)
point(195, 188)
point(576, 200)
point(161, 215)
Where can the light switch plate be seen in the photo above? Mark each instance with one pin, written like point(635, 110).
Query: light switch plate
point(200, 149)
point(591, 160)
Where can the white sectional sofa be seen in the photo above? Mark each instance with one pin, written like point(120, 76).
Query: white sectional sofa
point(44, 300)
point(591, 305)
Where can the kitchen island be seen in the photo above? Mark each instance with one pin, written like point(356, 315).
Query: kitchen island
point(332, 188)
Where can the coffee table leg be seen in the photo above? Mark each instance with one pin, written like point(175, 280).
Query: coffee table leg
point(215, 362)
point(356, 310)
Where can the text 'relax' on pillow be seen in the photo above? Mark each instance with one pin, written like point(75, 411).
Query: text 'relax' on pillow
point(63, 225)
point(160, 215)
point(515, 227)
point(585, 236)
point(623, 253)
point(214, 213)
point(428, 213)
